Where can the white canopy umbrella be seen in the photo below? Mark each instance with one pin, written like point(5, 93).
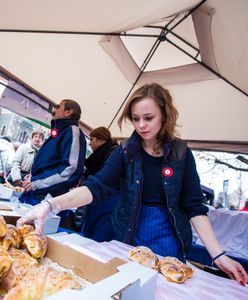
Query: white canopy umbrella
point(98, 52)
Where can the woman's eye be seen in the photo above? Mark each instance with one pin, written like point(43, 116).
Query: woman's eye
point(135, 119)
point(148, 118)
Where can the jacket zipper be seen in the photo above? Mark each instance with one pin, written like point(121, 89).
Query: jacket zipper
point(138, 212)
point(174, 223)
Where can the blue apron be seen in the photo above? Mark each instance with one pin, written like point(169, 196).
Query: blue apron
point(155, 231)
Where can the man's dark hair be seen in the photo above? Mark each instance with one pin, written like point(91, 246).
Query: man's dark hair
point(71, 104)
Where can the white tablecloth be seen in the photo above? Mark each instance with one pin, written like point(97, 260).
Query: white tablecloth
point(231, 229)
point(202, 285)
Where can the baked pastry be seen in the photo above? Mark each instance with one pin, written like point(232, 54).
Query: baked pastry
point(24, 230)
point(35, 244)
point(41, 282)
point(5, 263)
point(174, 270)
point(12, 237)
point(143, 256)
point(22, 264)
point(18, 189)
point(57, 281)
point(3, 226)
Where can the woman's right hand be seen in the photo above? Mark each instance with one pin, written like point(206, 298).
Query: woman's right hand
point(36, 215)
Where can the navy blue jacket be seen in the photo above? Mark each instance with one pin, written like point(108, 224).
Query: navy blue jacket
point(182, 189)
point(59, 163)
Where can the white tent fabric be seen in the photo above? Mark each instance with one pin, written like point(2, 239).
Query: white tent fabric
point(44, 43)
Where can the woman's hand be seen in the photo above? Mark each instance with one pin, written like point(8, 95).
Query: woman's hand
point(232, 268)
point(37, 215)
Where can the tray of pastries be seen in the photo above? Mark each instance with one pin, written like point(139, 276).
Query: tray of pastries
point(170, 267)
point(24, 271)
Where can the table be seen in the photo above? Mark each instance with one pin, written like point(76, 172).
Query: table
point(202, 285)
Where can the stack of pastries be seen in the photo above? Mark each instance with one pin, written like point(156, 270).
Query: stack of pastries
point(170, 267)
point(21, 274)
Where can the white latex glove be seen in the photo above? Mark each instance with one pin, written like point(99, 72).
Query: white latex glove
point(37, 215)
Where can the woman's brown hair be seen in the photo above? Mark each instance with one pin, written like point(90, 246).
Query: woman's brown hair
point(101, 133)
point(164, 100)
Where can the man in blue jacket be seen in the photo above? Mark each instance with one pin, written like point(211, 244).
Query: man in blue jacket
point(59, 163)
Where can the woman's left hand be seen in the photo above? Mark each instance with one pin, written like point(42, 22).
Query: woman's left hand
point(232, 268)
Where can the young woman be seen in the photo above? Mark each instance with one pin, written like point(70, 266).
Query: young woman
point(160, 188)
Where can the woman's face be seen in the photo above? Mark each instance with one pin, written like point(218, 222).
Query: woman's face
point(147, 118)
point(95, 143)
point(37, 140)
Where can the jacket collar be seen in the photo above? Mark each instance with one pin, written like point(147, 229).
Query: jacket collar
point(133, 146)
point(61, 124)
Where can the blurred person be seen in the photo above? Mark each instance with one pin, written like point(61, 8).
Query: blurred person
point(7, 154)
point(232, 207)
point(94, 220)
point(245, 207)
point(24, 158)
point(218, 205)
point(160, 187)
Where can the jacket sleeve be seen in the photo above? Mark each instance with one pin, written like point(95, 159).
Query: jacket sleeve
point(16, 163)
point(66, 174)
point(191, 193)
point(11, 155)
point(105, 182)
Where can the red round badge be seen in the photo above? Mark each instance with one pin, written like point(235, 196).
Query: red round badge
point(54, 132)
point(167, 172)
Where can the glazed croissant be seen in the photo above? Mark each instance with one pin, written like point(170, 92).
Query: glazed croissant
point(35, 244)
point(174, 270)
point(3, 226)
point(12, 237)
point(41, 282)
point(23, 230)
point(5, 263)
point(143, 256)
point(22, 264)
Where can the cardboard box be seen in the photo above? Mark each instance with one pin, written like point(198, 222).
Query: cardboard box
point(12, 211)
point(128, 280)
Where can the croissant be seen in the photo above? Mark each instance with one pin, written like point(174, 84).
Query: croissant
point(35, 244)
point(22, 257)
point(174, 270)
point(22, 263)
point(57, 281)
point(3, 226)
point(12, 237)
point(23, 230)
point(41, 282)
point(143, 256)
point(5, 263)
